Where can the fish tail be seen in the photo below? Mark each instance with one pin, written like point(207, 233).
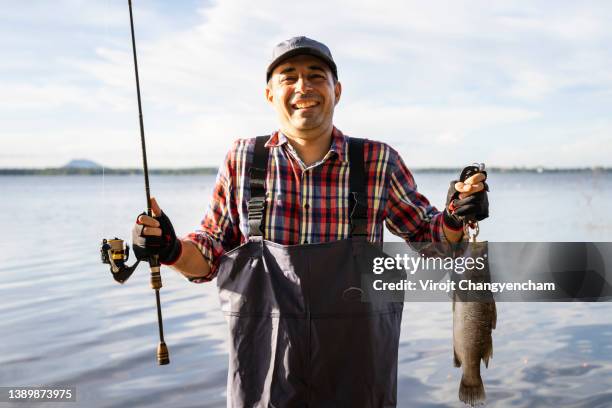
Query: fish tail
point(471, 394)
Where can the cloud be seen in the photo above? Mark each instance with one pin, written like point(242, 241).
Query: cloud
point(561, 147)
point(437, 125)
point(425, 77)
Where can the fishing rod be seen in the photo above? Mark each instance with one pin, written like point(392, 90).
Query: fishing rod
point(113, 251)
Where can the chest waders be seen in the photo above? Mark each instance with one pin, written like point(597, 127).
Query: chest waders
point(300, 336)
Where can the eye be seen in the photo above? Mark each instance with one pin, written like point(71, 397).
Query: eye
point(289, 79)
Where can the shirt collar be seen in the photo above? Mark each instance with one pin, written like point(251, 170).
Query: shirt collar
point(338, 143)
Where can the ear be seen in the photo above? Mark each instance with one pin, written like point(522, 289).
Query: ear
point(269, 94)
point(337, 92)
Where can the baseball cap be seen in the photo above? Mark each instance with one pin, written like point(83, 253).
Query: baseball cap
point(299, 46)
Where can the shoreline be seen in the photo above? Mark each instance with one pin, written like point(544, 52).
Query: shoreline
point(63, 171)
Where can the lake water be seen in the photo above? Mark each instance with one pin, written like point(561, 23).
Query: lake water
point(66, 322)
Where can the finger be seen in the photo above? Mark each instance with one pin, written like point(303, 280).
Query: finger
point(465, 187)
point(155, 207)
point(144, 219)
point(151, 231)
point(472, 190)
point(476, 178)
point(461, 187)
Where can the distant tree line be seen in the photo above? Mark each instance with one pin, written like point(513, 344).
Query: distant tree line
point(70, 171)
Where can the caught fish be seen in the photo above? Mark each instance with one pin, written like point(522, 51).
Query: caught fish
point(472, 342)
point(474, 312)
point(474, 318)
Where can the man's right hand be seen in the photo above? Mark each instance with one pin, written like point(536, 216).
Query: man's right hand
point(155, 236)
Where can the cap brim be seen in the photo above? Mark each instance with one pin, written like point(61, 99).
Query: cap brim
point(301, 51)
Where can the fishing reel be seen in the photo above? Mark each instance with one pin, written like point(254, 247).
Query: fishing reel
point(114, 253)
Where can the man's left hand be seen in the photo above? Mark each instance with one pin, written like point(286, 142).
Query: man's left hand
point(467, 201)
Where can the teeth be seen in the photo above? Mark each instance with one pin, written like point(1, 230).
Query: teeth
point(301, 105)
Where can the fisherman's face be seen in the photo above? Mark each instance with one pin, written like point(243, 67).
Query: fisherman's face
point(304, 93)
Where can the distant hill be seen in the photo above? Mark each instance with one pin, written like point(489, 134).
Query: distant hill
point(82, 164)
point(89, 167)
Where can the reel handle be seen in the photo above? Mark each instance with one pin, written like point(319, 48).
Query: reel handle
point(115, 253)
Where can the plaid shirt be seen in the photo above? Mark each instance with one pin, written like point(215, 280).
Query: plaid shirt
point(309, 204)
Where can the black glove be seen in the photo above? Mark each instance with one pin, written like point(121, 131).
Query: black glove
point(472, 207)
point(166, 246)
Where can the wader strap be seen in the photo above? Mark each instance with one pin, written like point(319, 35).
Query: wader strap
point(358, 206)
point(256, 206)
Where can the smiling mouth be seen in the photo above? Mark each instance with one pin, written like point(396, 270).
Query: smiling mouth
point(304, 105)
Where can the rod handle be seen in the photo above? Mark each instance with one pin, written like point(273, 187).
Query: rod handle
point(163, 357)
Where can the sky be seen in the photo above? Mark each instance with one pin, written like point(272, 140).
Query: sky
point(512, 83)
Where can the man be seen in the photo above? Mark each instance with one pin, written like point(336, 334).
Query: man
point(287, 235)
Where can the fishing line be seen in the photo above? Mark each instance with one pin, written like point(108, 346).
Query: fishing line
point(104, 155)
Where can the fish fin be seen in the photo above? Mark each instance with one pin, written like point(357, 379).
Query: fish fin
point(488, 352)
point(456, 359)
point(471, 394)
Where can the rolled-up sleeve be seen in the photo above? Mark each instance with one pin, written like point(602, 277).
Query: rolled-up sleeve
point(219, 231)
point(409, 213)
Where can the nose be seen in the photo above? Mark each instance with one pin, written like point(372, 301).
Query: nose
point(303, 84)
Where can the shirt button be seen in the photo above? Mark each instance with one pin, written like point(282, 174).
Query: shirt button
point(306, 206)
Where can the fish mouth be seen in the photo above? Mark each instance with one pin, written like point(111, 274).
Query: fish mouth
point(304, 104)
